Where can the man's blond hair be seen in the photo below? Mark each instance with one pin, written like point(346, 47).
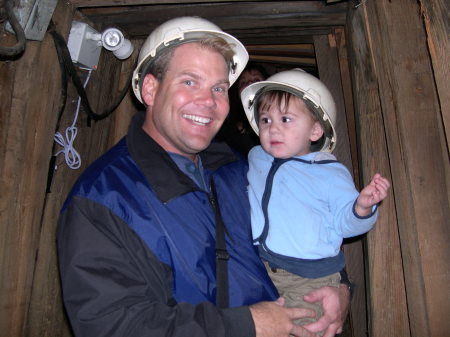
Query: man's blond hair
point(159, 65)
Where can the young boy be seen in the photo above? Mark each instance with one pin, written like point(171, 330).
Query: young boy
point(303, 201)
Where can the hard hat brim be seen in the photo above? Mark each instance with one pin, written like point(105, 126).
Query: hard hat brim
point(250, 95)
point(240, 57)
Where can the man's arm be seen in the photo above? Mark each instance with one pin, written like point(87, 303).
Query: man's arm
point(114, 286)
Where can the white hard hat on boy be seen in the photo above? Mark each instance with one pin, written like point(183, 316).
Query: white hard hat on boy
point(182, 30)
point(302, 84)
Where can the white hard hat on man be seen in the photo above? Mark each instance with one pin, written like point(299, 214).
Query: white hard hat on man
point(184, 30)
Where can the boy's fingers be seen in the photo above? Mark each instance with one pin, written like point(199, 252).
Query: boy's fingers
point(384, 185)
point(383, 182)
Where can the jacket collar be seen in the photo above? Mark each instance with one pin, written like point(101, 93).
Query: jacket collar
point(158, 168)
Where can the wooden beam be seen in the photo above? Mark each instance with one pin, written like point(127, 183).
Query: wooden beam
point(293, 61)
point(114, 3)
point(399, 123)
point(45, 314)
point(117, 3)
point(386, 290)
point(279, 35)
point(30, 92)
point(121, 118)
point(330, 73)
point(437, 24)
point(344, 66)
point(304, 50)
point(295, 55)
point(139, 21)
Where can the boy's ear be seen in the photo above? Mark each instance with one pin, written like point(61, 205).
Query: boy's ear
point(316, 132)
point(149, 88)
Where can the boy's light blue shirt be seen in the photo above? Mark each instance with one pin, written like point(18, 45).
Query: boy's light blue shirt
point(310, 207)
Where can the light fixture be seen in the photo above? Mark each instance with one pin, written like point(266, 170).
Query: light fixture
point(85, 44)
point(113, 40)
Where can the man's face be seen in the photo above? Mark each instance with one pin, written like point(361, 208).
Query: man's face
point(187, 108)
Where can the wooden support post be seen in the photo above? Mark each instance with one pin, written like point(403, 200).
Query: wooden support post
point(436, 16)
point(46, 312)
point(400, 134)
point(125, 111)
point(30, 93)
point(333, 74)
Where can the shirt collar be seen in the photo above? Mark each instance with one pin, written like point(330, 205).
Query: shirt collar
point(159, 168)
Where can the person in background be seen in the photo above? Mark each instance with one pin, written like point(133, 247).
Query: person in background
point(303, 201)
point(236, 130)
point(252, 73)
point(154, 239)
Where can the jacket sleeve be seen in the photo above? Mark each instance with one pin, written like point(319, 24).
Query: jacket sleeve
point(113, 285)
point(343, 195)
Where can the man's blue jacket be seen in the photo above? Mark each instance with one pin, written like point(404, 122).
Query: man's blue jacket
point(136, 244)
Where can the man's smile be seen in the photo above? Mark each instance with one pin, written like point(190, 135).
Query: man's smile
point(197, 119)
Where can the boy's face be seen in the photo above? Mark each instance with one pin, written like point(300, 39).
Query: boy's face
point(287, 131)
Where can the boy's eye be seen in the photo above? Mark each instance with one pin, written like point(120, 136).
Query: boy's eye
point(285, 119)
point(264, 120)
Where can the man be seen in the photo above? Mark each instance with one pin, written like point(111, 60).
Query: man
point(137, 234)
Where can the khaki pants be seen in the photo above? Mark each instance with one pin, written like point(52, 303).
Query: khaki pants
point(293, 287)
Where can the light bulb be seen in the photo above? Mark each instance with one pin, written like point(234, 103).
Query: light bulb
point(113, 40)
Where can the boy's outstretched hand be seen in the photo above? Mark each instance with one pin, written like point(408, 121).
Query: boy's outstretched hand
point(372, 194)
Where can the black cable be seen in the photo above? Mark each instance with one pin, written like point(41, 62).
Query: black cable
point(63, 79)
point(70, 69)
point(19, 47)
point(67, 68)
point(52, 164)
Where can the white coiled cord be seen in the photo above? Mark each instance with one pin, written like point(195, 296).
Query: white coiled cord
point(71, 156)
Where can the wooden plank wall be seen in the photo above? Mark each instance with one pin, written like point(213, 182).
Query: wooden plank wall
point(401, 133)
point(332, 68)
point(30, 90)
point(436, 16)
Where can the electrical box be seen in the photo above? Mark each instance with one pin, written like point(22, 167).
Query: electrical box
point(34, 17)
point(84, 48)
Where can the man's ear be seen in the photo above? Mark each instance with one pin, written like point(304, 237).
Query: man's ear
point(149, 87)
point(316, 132)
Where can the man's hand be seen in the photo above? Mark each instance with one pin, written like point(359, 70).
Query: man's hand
point(335, 303)
point(272, 319)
